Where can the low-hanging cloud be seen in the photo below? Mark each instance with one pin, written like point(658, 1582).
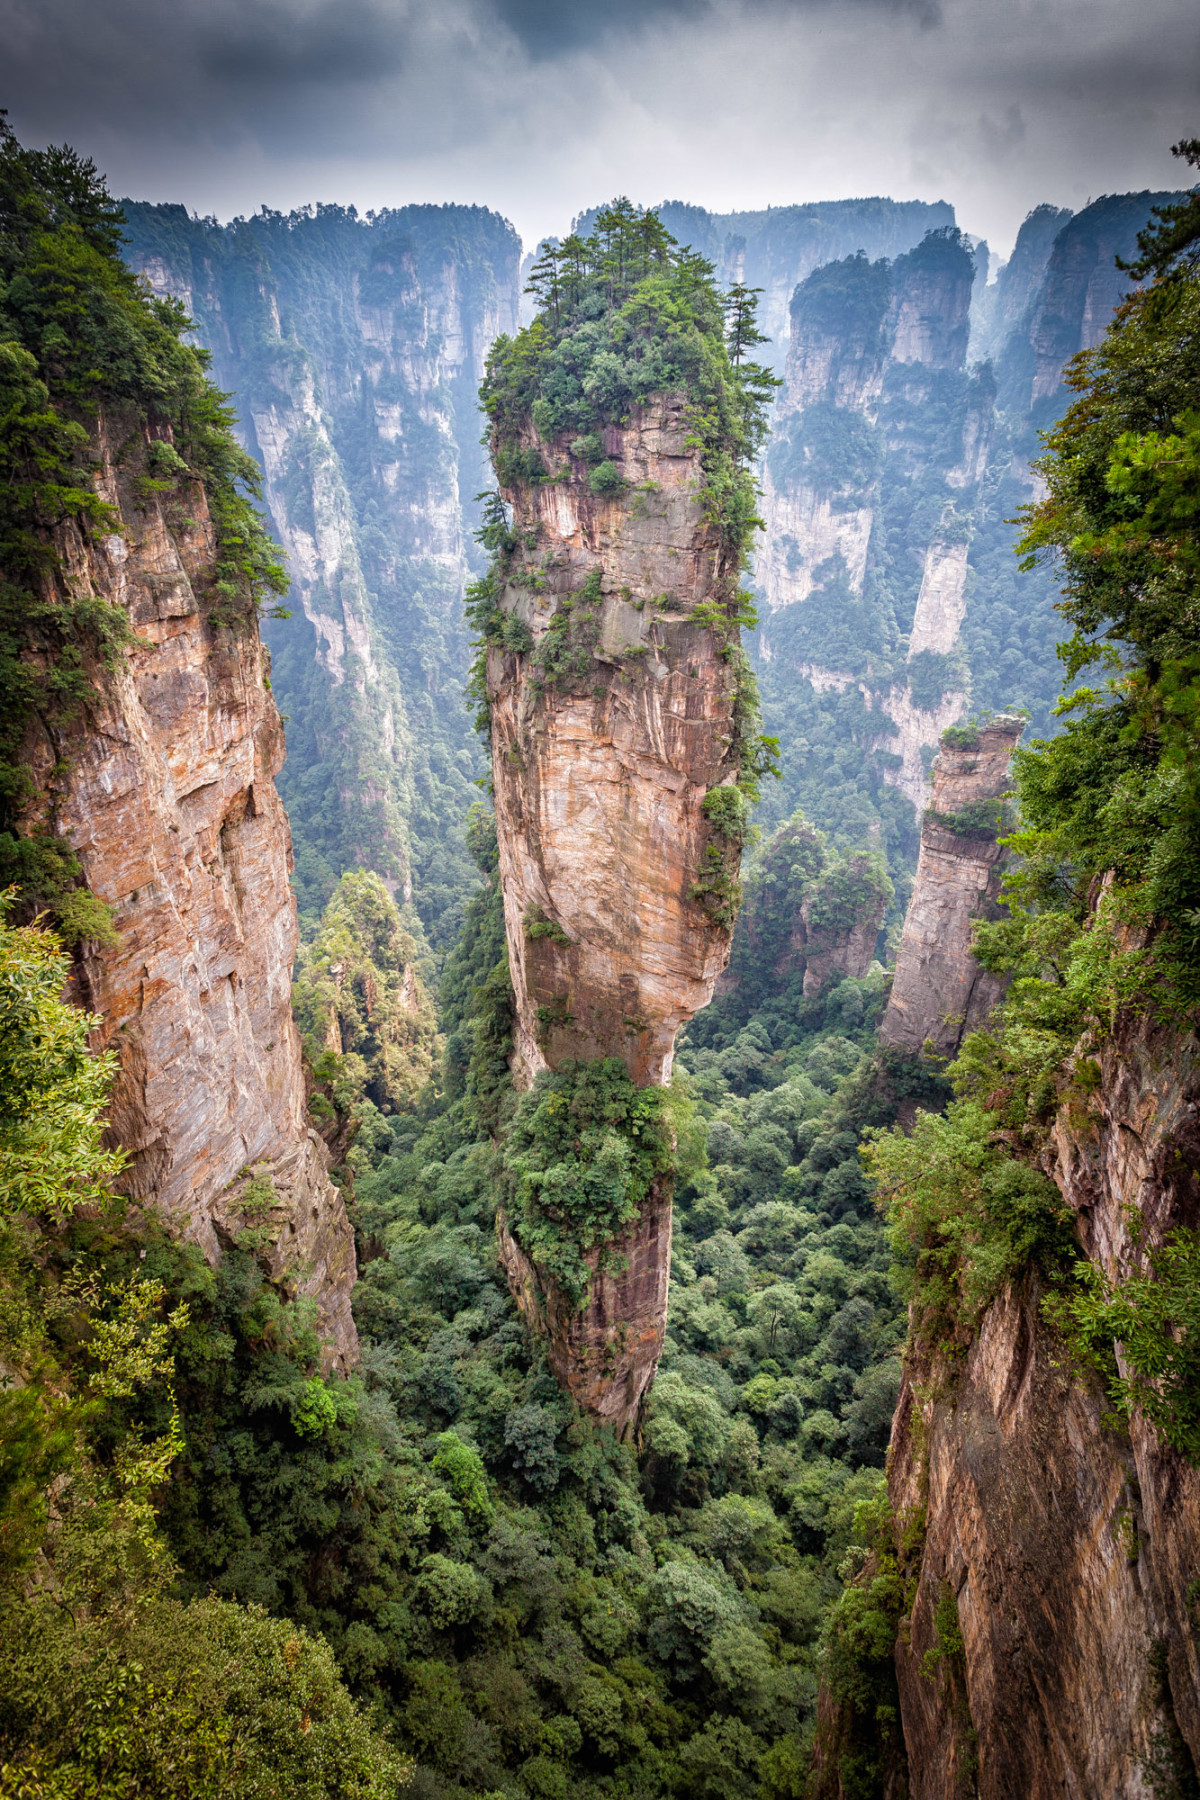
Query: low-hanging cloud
point(538, 107)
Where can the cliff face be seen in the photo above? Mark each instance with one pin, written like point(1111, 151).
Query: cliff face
point(354, 348)
point(1070, 1548)
point(776, 248)
point(600, 773)
point(900, 455)
point(876, 350)
point(939, 991)
point(166, 789)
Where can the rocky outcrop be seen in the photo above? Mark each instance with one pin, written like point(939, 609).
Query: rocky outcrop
point(840, 950)
point(608, 732)
point(165, 786)
point(1083, 285)
point(1069, 1548)
point(605, 1353)
point(1001, 307)
point(940, 991)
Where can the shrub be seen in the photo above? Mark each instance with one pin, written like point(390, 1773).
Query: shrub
point(964, 1214)
point(180, 1702)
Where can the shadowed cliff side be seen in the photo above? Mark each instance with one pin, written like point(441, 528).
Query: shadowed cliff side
point(940, 991)
point(621, 711)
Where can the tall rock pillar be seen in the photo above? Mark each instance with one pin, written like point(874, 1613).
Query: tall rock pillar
point(614, 718)
point(165, 787)
point(940, 991)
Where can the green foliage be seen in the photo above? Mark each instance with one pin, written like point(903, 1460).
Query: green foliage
point(932, 676)
point(960, 737)
point(80, 337)
point(965, 1216)
point(52, 1090)
point(565, 657)
point(360, 993)
point(582, 1152)
point(1119, 791)
point(858, 1652)
point(1154, 1315)
point(985, 820)
point(170, 1700)
point(948, 1645)
point(625, 315)
point(536, 925)
point(606, 478)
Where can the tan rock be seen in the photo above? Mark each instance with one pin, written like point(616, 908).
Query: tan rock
point(1070, 1547)
point(599, 788)
point(166, 789)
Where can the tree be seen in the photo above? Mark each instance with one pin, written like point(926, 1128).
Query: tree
point(1172, 246)
point(742, 333)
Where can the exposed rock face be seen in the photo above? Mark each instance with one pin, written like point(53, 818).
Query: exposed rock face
point(600, 783)
point(166, 790)
point(600, 778)
point(604, 1354)
point(1070, 1548)
point(940, 991)
point(355, 349)
point(1082, 284)
point(1000, 308)
point(849, 950)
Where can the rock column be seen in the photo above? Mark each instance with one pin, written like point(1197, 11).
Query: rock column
point(940, 991)
point(613, 716)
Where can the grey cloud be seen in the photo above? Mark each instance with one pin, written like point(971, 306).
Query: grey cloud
point(341, 40)
point(534, 106)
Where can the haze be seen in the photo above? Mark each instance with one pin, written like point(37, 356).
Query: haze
point(538, 107)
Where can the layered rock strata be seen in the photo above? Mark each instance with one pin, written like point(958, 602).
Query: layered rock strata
point(1070, 1548)
point(165, 787)
point(940, 991)
point(603, 752)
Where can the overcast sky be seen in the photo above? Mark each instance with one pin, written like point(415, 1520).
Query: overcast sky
point(542, 107)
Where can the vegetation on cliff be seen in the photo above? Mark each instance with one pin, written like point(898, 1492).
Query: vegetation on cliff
point(84, 348)
point(625, 315)
point(361, 1002)
point(353, 340)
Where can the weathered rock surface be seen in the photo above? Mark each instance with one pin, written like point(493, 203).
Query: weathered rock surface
point(599, 784)
point(940, 991)
point(600, 780)
point(1071, 1549)
point(604, 1354)
point(166, 790)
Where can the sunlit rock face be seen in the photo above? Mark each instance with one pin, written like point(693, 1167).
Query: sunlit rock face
point(600, 776)
point(600, 779)
point(166, 789)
